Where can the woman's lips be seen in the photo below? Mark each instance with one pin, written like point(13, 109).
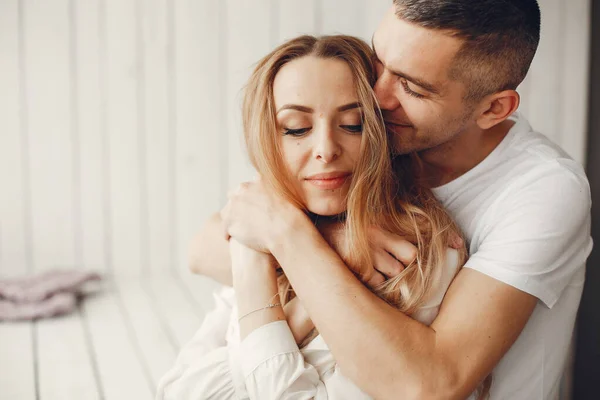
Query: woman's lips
point(328, 181)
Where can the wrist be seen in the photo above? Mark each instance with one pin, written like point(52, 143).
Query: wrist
point(257, 276)
point(293, 224)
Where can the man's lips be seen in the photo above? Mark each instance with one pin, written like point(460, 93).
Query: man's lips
point(329, 181)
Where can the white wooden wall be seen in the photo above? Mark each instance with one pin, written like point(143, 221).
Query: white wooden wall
point(120, 121)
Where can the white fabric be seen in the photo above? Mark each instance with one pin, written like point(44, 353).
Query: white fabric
point(267, 364)
point(525, 211)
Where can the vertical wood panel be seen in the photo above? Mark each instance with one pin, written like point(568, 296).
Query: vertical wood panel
point(575, 77)
point(74, 136)
point(90, 129)
point(124, 147)
point(295, 18)
point(14, 201)
point(49, 121)
point(544, 111)
point(525, 91)
point(249, 39)
point(373, 13)
point(154, 41)
point(199, 96)
point(157, 130)
point(343, 17)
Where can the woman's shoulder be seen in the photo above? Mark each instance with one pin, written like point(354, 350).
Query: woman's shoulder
point(428, 311)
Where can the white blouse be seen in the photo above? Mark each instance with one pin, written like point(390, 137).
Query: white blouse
point(267, 364)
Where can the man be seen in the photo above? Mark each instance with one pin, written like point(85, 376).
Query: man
point(448, 70)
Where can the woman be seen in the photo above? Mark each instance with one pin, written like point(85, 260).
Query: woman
point(314, 132)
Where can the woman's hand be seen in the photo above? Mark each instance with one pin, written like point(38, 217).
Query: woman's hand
point(246, 261)
point(257, 217)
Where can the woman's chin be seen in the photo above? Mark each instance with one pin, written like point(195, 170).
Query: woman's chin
point(327, 210)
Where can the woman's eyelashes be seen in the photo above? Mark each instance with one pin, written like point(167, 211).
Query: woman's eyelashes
point(302, 131)
point(295, 132)
point(353, 128)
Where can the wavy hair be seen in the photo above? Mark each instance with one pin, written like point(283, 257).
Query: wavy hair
point(385, 190)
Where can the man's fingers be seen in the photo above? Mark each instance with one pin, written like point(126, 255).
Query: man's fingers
point(375, 280)
point(403, 250)
point(386, 264)
point(456, 241)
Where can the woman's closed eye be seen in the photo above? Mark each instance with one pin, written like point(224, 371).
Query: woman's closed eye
point(353, 128)
point(295, 132)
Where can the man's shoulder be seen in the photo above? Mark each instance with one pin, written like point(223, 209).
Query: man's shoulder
point(539, 173)
point(532, 176)
point(531, 158)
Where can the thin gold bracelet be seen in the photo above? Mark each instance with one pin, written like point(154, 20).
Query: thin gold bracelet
point(260, 309)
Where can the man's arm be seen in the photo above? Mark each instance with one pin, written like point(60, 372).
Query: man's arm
point(406, 359)
point(209, 252)
point(537, 239)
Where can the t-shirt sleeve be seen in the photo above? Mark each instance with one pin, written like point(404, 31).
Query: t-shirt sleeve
point(536, 235)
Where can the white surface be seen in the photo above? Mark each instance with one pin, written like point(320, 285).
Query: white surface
point(116, 346)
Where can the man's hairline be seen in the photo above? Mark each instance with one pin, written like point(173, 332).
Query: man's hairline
point(417, 81)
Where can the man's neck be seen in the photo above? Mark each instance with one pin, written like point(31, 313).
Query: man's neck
point(448, 161)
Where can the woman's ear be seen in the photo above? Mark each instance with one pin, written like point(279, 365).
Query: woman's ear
point(497, 107)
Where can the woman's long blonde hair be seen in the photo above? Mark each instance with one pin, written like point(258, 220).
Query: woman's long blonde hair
point(385, 190)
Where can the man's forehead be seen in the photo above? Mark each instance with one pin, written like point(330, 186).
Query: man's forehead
point(415, 50)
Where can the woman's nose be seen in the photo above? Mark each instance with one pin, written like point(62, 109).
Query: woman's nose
point(385, 92)
point(326, 149)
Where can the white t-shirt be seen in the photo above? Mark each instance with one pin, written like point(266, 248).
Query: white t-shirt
point(525, 211)
point(268, 364)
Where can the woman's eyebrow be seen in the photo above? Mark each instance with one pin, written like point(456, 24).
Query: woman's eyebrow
point(309, 110)
point(295, 107)
point(349, 106)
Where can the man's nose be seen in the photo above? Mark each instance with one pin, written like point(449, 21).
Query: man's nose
point(326, 149)
point(385, 92)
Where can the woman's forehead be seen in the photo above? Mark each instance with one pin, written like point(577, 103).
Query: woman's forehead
point(312, 81)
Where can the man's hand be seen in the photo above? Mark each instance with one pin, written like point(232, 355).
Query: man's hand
point(391, 253)
point(254, 216)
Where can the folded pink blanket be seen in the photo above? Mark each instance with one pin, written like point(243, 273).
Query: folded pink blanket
point(44, 295)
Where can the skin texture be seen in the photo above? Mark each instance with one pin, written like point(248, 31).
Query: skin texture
point(316, 137)
point(320, 133)
point(480, 317)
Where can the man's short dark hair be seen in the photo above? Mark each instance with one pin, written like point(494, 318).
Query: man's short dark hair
point(500, 38)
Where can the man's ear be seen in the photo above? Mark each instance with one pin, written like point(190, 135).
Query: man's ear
point(497, 107)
